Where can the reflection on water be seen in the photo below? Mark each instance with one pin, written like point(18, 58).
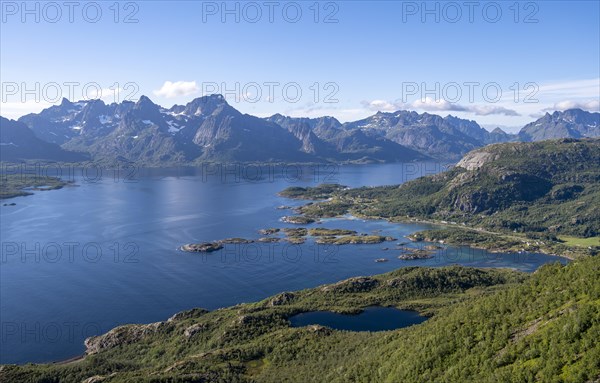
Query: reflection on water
point(78, 261)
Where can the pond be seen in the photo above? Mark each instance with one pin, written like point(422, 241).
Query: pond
point(375, 318)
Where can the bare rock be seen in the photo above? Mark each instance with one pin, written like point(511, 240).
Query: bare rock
point(193, 313)
point(194, 329)
point(120, 336)
point(281, 299)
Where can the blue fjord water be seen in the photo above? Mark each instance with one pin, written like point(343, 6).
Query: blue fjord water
point(78, 261)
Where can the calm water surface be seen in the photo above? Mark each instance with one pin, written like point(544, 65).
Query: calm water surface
point(370, 319)
point(78, 261)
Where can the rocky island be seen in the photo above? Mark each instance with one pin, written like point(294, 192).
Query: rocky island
point(353, 239)
point(18, 185)
point(298, 219)
point(204, 247)
point(414, 254)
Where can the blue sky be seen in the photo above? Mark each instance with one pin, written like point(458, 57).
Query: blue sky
point(370, 56)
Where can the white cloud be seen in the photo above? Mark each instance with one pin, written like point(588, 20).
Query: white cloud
point(532, 100)
point(108, 96)
point(381, 106)
point(431, 105)
point(316, 111)
point(589, 105)
point(571, 89)
point(176, 89)
point(536, 115)
point(487, 110)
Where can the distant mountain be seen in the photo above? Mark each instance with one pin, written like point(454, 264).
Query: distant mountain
point(227, 134)
point(304, 130)
point(498, 135)
point(61, 123)
point(19, 143)
point(572, 123)
point(205, 129)
point(327, 138)
point(445, 138)
point(209, 129)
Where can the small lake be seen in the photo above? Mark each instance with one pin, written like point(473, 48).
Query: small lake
point(374, 318)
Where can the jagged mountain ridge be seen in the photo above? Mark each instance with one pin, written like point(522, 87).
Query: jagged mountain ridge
point(572, 123)
point(327, 136)
point(442, 137)
point(209, 129)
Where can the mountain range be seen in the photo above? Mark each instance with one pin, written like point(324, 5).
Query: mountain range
point(572, 123)
point(448, 137)
point(209, 129)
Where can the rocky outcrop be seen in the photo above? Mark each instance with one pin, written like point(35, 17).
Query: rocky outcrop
point(475, 159)
point(122, 335)
point(269, 240)
point(319, 330)
point(281, 299)
point(297, 219)
point(353, 285)
point(235, 241)
point(99, 378)
point(269, 231)
point(204, 247)
point(414, 254)
point(194, 329)
point(193, 313)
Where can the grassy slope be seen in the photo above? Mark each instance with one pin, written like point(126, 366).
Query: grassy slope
point(585, 242)
point(487, 326)
point(544, 330)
